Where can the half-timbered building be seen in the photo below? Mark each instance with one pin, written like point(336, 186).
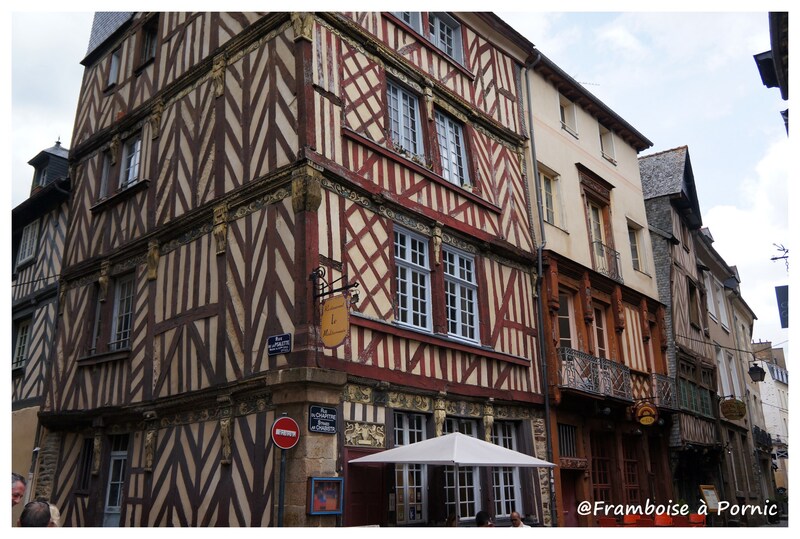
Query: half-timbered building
point(603, 326)
point(38, 225)
point(231, 170)
point(673, 212)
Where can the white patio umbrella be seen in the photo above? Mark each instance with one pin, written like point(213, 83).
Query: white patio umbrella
point(455, 449)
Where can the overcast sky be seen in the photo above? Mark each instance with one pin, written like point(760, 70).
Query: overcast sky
point(678, 78)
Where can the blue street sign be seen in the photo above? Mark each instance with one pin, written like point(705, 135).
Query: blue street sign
point(279, 344)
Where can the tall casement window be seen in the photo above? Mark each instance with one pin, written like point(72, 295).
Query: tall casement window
point(722, 309)
point(710, 304)
point(468, 479)
point(597, 194)
point(105, 174)
point(410, 479)
point(566, 110)
point(565, 321)
point(115, 489)
point(597, 233)
point(461, 294)
point(113, 67)
point(505, 480)
point(599, 329)
point(445, 32)
point(452, 149)
point(550, 192)
point(602, 454)
point(113, 321)
point(694, 306)
point(696, 393)
point(84, 478)
point(40, 177)
point(22, 340)
point(635, 238)
point(607, 145)
point(149, 40)
point(630, 469)
point(27, 244)
point(413, 280)
point(129, 171)
point(404, 119)
point(724, 380)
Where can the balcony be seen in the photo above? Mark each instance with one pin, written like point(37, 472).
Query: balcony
point(664, 391)
point(606, 261)
point(599, 376)
point(762, 438)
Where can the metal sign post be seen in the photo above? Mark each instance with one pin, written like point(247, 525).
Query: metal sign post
point(285, 434)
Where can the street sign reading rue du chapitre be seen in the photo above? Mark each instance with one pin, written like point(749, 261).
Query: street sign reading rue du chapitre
point(322, 419)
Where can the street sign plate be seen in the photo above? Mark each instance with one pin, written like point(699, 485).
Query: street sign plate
point(322, 419)
point(279, 344)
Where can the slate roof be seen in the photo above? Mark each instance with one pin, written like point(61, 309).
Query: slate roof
point(56, 150)
point(105, 23)
point(669, 173)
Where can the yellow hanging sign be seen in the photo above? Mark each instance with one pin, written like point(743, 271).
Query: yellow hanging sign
point(335, 321)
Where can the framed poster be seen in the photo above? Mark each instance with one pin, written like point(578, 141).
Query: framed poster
point(325, 495)
point(709, 494)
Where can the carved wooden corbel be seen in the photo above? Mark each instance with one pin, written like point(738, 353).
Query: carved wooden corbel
point(97, 446)
point(113, 149)
point(428, 93)
point(437, 243)
point(225, 428)
point(645, 316)
point(439, 414)
point(102, 281)
point(149, 448)
point(303, 24)
point(618, 309)
point(218, 75)
point(153, 256)
point(488, 420)
point(588, 311)
point(306, 190)
point(155, 119)
point(221, 227)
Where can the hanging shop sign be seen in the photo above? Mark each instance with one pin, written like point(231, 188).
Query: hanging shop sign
point(732, 409)
point(645, 413)
point(335, 321)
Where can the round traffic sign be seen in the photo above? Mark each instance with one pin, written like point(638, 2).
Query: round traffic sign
point(285, 432)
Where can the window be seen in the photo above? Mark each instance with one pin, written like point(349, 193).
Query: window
point(113, 67)
point(567, 440)
point(695, 394)
point(461, 294)
point(601, 466)
point(129, 171)
point(724, 381)
point(468, 480)
point(445, 34)
point(731, 367)
point(710, 295)
point(105, 173)
point(630, 467)
point(21, 344)
point(452, 149)
point(149, 41)
point(411, 18)
point(404, 122)
point(635, 239)
point(719, 291)
point(40, 178)
point(607, 145)
point(567, 112)
point(413, 280)
point(565, 317)
point(505, 480)
point(551, 197)
point(599, 328)
point(694, 308)
point(115, 489)
point(27, 245)
point(116, 335)
point(410, 479)
point(84, 478)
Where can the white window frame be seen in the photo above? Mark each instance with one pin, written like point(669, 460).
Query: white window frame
point(452, 149)
point(113, 68)
point(413, 280)
point(41, 176)
point(550, 189)
point(117, 465)
point(461, 294)
point(567, 115)
point(22, 344)
point(411, 18)
point(505, 480)
point(724, 380)
point(122, 321)
point(105, 174)
point(405, 128)
point(468, 478)
point(28, 242)
point(131, 157)
point(711, 305)
point(722, 309)
point(410, 428)
point(445, 34)
point(636, 241)
point(731, 367)
point(565, 302)
point(600, 329)
point(607, 149)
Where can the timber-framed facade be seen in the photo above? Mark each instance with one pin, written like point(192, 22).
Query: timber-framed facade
point(219, 161)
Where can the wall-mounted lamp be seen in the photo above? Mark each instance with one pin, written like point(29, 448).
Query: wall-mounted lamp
point(756, 373)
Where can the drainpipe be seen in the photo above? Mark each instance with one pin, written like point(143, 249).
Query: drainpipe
point(539, 305)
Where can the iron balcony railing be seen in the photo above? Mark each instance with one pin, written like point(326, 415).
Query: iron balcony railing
point(665, 394)
point(606, 261)
point(596, 375)
point(762, 437)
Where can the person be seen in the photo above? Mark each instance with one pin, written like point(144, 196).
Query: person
point(452, 521)
point(516, 521)
point(55, 514)
point(18, 485)
point(35, 515)
point(483, 520)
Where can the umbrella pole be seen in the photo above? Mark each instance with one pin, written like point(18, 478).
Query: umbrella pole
point(457, 497)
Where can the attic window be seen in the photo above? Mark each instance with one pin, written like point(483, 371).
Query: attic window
point(40, 178)
point(148, 39)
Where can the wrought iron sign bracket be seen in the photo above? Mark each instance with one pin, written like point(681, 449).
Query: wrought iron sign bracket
point(323, 288)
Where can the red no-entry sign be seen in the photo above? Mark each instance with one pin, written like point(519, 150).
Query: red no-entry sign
point(285, 432)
